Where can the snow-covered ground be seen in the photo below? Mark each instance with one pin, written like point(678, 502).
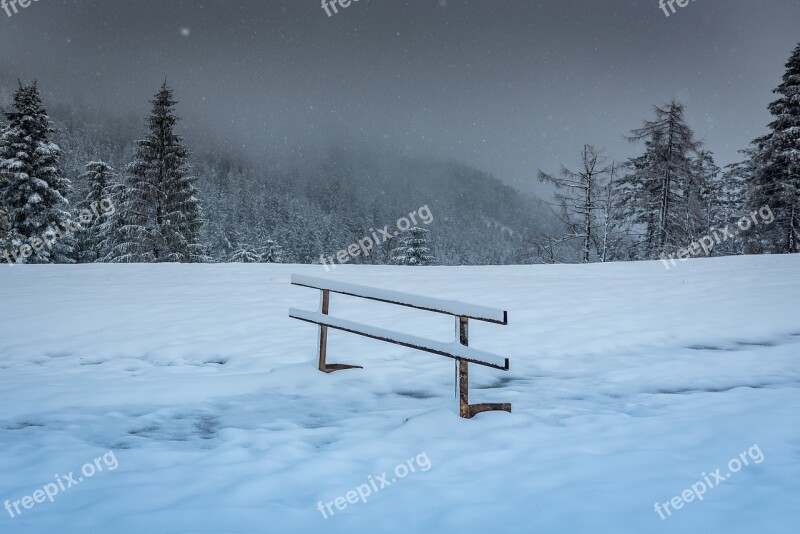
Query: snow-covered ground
point(628, 382)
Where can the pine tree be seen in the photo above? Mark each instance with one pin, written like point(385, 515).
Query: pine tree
point(728, 191)
point(413, 248)
point(161, 211)
point(244, 254)
point(99, 180)
point(271, 252)
point(33, 192)
point(4, 233)
point(7, 242)
point(10, 241)
point(776, 181)
point(112, 227)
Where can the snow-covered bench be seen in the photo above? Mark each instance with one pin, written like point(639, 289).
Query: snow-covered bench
point(459, 350)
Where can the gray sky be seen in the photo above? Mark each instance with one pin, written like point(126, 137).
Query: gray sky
point(508, 85)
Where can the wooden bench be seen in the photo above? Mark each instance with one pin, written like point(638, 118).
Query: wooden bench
point(459, 350)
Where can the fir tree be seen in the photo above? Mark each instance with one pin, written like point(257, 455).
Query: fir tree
point(33, 192)
point(161, 212)
point(113, 225)
point(6, 240)
point(272, 252)
point(728, 191)
point(9, 240)
point(99, 180)
point(244, 254)
point(413, 248)
point(776, 181)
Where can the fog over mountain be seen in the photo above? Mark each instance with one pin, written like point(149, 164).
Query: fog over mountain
point(508, 86)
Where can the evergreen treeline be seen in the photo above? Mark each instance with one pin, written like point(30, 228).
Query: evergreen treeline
point(84, 192)
point(672, 195)
point(250, 213)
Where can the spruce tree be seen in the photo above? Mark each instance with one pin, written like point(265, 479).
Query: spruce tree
point(244, 254)
point(33, 191)
point(728, 191)
point(776, 181)
point(112, 243)
point(5, 235)
point(271, 252)
point(99, 180)
point(9, 242)
point(413, 248)
point(161, 212)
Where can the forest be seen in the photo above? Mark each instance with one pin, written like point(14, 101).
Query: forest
point(171, 204)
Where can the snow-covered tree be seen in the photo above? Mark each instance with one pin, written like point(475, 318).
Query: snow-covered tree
point(776, 181)
point(580, 197)
point(700, 199)
point(726, 203)
point(9, 240)
point(662, 189)
point(6, 240)
point(161, 212)
point(271, 252)
point(612, 231)
point(244, 254)
point(98, 180)
point(112, 226)
point(33, 191)
point(413, 248)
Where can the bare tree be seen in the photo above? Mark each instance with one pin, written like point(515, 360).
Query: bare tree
point(611, 219)
point(580, 197)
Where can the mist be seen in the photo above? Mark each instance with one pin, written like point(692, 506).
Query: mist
point(509, 87)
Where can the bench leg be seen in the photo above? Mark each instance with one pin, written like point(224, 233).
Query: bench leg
point(323, 341)
point(467, 410)
point(323, 331)
point(463, 389)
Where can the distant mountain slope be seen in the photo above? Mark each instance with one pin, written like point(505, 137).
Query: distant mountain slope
point(314, 208)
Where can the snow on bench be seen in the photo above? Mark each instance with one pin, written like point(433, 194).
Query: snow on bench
point(450, 349)
point(459, 350)
point(447, 307)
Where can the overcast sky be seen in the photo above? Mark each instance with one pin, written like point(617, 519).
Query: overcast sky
point(508, 85)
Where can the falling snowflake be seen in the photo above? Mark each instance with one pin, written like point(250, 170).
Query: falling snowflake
point(186, 32)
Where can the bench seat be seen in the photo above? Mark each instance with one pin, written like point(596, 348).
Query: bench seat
point(449, 349)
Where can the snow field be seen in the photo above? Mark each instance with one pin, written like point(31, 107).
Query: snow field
point(627, 382)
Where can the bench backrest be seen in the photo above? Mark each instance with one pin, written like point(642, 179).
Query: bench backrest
point(447, 307)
